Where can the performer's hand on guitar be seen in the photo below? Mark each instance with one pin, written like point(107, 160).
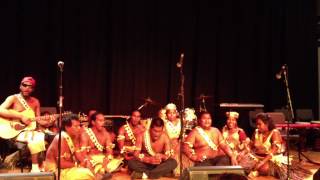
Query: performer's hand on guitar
point(19, 126)
point(26, 120)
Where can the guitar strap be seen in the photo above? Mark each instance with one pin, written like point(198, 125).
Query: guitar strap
point(130, 133)
point(23, 102)
point(94, 139)
point(69, 141)
point(147, 143)
point(70, 145)
point(205, 136)
point(25, 105)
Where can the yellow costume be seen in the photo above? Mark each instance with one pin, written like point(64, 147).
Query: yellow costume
point(73, 173)
point(97, 160)
point(237, 141)
point(278, 162)
point(34, 139)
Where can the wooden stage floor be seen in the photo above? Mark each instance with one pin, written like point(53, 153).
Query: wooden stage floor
point(315, 156)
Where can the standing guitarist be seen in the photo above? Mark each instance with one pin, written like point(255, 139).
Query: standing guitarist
point(19, 110)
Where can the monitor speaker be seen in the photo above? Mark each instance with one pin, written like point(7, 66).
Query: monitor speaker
point(213, 172)
point(27, 176)
point(316, 176)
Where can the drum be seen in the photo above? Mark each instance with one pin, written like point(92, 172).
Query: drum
point(190, 118)
point(247, 161)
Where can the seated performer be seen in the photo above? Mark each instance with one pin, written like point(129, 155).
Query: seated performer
point(70, 144)
point(154, 159)
point(88, 120)
point(18, 120)
point(203, 143)
point(172, 126)
point(266, 157)
point(96, 147)
point(49, 127)
point(234, 136)
point(162, 114)
point(128, 134)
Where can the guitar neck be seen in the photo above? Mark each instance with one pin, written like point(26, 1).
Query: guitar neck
point(50, 117)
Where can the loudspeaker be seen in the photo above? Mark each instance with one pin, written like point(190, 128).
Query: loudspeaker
point(213, 172)
point(27, 176)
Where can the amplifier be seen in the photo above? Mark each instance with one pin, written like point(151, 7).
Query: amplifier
point(213, 172)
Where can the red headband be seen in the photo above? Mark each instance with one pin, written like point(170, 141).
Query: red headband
point(29, 80)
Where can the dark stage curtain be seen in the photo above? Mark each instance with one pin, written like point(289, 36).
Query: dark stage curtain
point(117, 52)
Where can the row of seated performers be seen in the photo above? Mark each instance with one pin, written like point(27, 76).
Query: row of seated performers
point(152, 151)
point(149, 151)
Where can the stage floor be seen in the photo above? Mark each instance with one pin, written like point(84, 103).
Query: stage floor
point(314, 156)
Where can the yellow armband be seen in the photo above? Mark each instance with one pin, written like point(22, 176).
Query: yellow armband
point(110, 157)
point(120, 137)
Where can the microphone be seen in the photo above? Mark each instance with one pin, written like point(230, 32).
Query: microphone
point(180, 63)
point(282, 70)
point(148, 100)
point(60, 65)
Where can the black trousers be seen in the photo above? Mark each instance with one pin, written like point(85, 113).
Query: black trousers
point(153, 171)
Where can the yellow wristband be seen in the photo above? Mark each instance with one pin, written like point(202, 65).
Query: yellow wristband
point(141, 156)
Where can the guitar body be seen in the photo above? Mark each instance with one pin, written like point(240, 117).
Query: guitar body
point(7, 126)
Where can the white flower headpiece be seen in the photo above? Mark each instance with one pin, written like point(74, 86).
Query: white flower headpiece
point(232, 114)
point(171, 106)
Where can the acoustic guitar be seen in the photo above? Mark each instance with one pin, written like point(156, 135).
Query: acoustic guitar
point(10, 128)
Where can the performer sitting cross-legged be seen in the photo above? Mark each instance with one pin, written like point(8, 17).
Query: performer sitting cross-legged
point(234, 136)
point(266, 157)
point(154, 159)
point(203, 143)
point(172, 126)
point(96, 147)
point(70, 144)
point(128, 134)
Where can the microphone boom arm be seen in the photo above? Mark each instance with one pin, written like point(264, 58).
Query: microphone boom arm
point(285, 73)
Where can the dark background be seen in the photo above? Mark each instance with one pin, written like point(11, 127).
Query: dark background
point(117, 52)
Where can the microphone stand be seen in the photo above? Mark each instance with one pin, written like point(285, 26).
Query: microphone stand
point(142, 106)
point(182, 131)
point(289, 104)
point(285, 73)
point(60, 118)
point(202, 105)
